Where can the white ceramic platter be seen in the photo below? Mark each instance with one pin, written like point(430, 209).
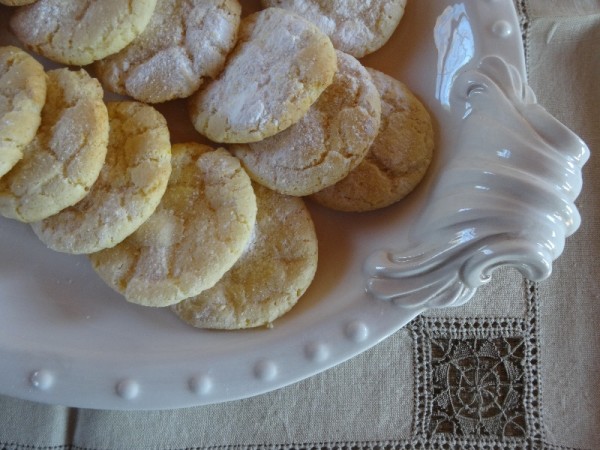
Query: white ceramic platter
point(500, 192)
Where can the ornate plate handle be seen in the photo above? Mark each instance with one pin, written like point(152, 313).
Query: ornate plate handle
point(506, 197)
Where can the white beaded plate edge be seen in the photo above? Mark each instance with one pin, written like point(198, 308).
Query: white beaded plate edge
point(495, 196)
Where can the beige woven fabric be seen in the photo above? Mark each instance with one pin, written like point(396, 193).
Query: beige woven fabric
point(570, 298)
point(543, 338)
point(561, 8)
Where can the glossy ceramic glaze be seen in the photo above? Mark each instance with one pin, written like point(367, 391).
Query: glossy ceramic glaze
point(505, 197)
point(500, 192)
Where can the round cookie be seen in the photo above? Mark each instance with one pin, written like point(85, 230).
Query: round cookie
point(327, 143)
point(131, 183)
point(199, 230)
point(280, 66)
point(185, 42)
point(64, 158)
point(355, 27)
point(80, 32)
point(22, 97)
point(397, 160)
point(273, 273)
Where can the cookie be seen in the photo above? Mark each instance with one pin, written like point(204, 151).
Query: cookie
point(273, 273)
point(398, 159)
point(357, 27)
point(280, 66)
point(83, 31)
point(327, 143)
point(64, 158)
point(22, 96)
point(197, 233)
point(185, 43)
point(131, 183)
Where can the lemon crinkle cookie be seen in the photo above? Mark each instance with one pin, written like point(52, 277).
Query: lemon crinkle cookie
point(67, 153)
point(398, 159)
point(273, 273)
point(22, 97)
point(130, 186)
point(327, 143)
point(83, 31)
point(185, 43)
point(278, 69)
point(355, 27)
point(199, 230)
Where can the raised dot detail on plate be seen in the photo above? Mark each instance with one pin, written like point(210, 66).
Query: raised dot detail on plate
point(502, 28)
point(356, 331)
point(128, 389)
point(201, 384)
point(265, 370)
point(316, 351)
point(41, 379)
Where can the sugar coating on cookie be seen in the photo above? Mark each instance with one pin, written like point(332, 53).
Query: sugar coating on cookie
point(80, 32)
point(185, 43)
point(398, 159)
point(131, 183)
point(67, 153)
point(355, 27)
point(197, 233)
point(273, 273)
point(327, 143)
point(22, 97)
point(280, 66)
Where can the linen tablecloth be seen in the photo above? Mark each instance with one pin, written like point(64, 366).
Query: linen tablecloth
point(523, 357)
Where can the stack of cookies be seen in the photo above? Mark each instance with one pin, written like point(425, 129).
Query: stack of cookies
point(220, 235)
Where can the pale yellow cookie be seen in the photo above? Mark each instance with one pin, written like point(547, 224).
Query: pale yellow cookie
point(16, 2)
point(273, 273)
point(398, 159)
point(80, 32)
point(131, 183)
point(185, 43)
point(22, 96)
point(280, 66)
point(196, 234)
point(65, 157)
point(327, 143)
point(355, 27)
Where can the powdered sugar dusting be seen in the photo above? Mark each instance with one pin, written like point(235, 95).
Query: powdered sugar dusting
point(357, 27)
point(327, 143)
point(198, 231)
point(276, 72)
point(185, 42)
point(128, 189)
point(80, 32)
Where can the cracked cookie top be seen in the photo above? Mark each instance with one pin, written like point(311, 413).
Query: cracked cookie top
point(275, 270)
point(398, 158)
point(66, 155)
point(355, 27)
point(185, 43)
point(197, 233)
point(327, 143)
point(130, 186)
point(280, 66)
point(83, 31)
point(22, 97)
